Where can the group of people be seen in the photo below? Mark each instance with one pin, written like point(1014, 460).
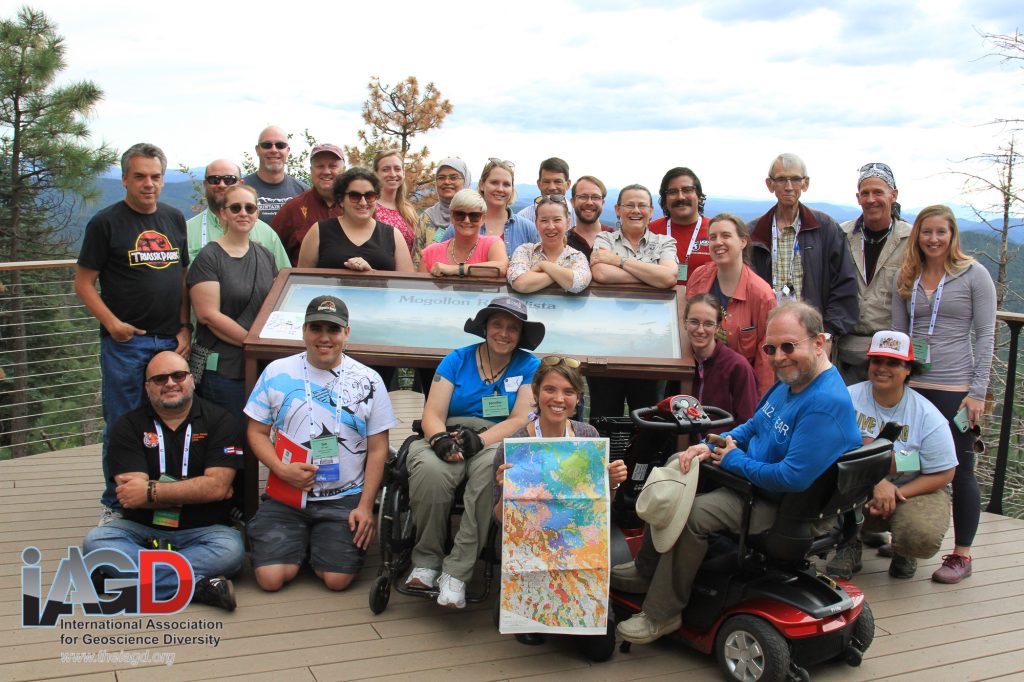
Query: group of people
point(770, 303)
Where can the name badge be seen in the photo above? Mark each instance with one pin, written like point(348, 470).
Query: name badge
point(323, 453)
point(512, 384)
point(922, 353)
point(167, 518)
point(908, 460)
point(212, 360)
point(683, 268)
point(495, 405)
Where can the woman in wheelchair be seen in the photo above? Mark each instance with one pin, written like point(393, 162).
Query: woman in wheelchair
point(479, 395)
point(557, 389)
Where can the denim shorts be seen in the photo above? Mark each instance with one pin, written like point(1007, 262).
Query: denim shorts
point(282, 534)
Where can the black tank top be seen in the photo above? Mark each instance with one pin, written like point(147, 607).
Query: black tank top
point(336, 247)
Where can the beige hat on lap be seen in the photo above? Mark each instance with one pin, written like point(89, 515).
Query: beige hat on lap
point(665, 502)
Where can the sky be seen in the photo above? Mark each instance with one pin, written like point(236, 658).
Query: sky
point(621, 90)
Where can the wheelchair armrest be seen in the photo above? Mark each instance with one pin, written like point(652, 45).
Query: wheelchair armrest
point(716, 474)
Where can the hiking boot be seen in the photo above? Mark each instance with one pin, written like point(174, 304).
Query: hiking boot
point(902, 567)
point(217, 591)
point(886, 551)
point(422, 579)
point(109, 514)
point(846, 562)
point(627, 578)
point(642, 629)
point(955, 567)
point(452, 592)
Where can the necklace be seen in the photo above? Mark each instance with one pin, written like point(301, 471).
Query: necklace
point(490, 374)
point(451, 252)
point(875, 239)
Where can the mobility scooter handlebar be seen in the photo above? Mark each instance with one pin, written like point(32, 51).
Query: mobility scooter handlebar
point(681, 414)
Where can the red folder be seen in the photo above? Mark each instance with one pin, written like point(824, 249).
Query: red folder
point(287, 451)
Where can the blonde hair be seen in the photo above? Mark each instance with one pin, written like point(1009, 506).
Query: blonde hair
point(405, 207)
point(913, 258)
point(490, 166)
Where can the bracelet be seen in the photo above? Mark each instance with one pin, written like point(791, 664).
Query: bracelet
point(151, 492)
point(462, 269)
point(189, 326)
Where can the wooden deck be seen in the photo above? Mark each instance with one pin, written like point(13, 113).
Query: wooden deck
point(925, 631)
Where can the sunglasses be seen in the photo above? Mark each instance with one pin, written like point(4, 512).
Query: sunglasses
point(474, 216)
point(550, 199)
point(788, 347)
point(249, 208)
point(161, 379)
point(355, 197)
point(888, 362)
point(555, 360)
point(275, 145)
point(217, 179)
point(501, 162)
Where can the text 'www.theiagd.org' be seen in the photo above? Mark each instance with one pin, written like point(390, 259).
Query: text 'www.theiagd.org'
point(143, 657)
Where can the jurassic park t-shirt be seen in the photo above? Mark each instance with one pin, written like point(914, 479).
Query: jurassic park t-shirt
point(141, 259)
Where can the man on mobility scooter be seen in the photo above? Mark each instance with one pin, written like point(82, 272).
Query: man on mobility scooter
point(801, 427)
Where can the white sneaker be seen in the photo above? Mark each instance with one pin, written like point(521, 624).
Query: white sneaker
point(109, 514)
point(422, 579)
point(453, 592)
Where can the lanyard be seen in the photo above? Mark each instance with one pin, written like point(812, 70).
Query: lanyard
point(863, 241)
point(693, 239)
point(536, 428)
point(202, 239)
point(700, 377)
point(775, 252)
point(935, 305)
point(309, 401)
point(163, 452)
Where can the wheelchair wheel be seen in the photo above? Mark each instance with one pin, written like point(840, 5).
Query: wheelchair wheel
point(863, 635)
point(750, 650)
point(380, 594)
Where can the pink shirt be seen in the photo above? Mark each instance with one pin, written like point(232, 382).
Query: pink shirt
point(395, 219)
point(438, 252)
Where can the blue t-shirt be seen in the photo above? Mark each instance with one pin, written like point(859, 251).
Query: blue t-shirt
point(459, 367)
point(518, 230)
point(793, 437)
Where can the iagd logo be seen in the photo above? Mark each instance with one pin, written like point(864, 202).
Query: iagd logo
point(132, 593)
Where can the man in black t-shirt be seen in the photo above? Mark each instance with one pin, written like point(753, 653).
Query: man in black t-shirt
point(136, 250)
point(173, 461)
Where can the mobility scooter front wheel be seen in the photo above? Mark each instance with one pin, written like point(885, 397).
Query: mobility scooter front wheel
point(751, 650)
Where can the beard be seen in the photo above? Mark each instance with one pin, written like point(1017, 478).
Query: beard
point(215, 204)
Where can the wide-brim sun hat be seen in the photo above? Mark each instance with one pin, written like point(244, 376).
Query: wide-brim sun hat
point(532, 334)
point(666, 500)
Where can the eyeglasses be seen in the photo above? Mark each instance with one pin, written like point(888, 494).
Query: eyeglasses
point(888, 362)
point(875, 166)
point(249, 208)
point(355, 197)
point(555, 360)
point(550, 199)
point(217, 179)
point(589, 197)
point(787, 347)
point(793, 180)
point(161, 379)
point(474, 216)
point(676, 191)
point(275, 145)
point(635, 207)
point(501, 162)
point(697, 324)
point(452, 177)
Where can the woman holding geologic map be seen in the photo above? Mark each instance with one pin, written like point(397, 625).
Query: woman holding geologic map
point(557, 389)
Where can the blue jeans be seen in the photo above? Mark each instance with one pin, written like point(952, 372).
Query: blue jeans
point(212, 550)
point(123, 371)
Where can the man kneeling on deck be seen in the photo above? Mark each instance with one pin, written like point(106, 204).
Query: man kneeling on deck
point(173, 461)
point(338, 410)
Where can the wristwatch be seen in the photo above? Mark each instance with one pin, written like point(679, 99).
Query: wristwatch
point(189, 326)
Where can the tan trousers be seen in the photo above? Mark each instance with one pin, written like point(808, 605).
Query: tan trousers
point(918, 525)
point(432, 484)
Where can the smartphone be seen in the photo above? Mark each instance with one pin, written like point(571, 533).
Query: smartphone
point(961, 421)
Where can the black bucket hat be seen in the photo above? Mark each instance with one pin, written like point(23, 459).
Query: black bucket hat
point(532, 334)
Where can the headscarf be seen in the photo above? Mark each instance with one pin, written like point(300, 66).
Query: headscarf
point(883, 173)
point(440, 213)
